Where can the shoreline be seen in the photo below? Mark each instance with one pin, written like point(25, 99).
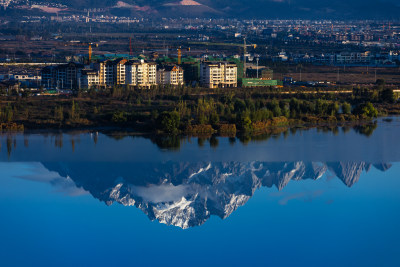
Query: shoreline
point(232, 113)
point(130, 131)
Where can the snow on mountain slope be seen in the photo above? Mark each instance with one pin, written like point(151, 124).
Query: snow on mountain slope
point(188, 194)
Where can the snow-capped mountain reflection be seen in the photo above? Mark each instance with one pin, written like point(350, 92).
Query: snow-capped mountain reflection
point(187, 194)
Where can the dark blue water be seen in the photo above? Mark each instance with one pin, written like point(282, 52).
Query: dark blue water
point(318, 197)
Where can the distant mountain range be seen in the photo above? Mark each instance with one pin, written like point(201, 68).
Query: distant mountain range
point(268, 9)
point(188, 194)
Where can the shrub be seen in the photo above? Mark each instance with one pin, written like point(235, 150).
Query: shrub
point(119, 117)
point(169, 121)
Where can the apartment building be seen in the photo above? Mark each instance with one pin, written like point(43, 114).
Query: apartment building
point(218, 74)
point(119, 71)
point(172, 75)
point(353, 57)
point(62, 76)
point(141, 73)
point(89, 78)
point(106, 72)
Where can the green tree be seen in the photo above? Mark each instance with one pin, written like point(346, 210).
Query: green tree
point(9, 114)
point(169, 121)
point(74, 112)
point(387, 95)
point(214, 118)
point(346, 108)
point(245, 120)
point(59, 113)
point(119, 117)
point(333, 108)
point(367, 110)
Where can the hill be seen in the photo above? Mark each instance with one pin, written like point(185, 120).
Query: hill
point(268, 9)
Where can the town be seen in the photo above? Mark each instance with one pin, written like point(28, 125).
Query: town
point(92, 49)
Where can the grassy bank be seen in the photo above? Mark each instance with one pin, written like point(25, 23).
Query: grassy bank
point(195, 111)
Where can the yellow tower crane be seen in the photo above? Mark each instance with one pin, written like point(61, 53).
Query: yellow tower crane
point(90, 50)
point(90, 53)
point(179, 56)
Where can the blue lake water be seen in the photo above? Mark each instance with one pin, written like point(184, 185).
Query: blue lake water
point(314, 197)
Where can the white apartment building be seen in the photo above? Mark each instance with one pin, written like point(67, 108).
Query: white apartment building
point(218, 74)
point(119, 71)
point(353, 57)
point(89, 78)
point(112, 72)
point(141, 73)
point(172, 75)
point(106, 73)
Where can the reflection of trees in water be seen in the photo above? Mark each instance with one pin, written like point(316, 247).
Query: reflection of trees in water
point(201, 141)
point(9, 145)
point(118, 135)
point(58, 141)
point(174, 142)
point(95, 138)
point(26, 140)
point(366, 129)
point(232, 140)
point(57, 138)
point(214, 142)
point(346, 129)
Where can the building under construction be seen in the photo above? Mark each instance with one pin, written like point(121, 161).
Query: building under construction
point(218, 74)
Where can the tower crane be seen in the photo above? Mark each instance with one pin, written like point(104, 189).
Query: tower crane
point(90, 50)
point(244, 46)
point(89, 45)
point(244, 54)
